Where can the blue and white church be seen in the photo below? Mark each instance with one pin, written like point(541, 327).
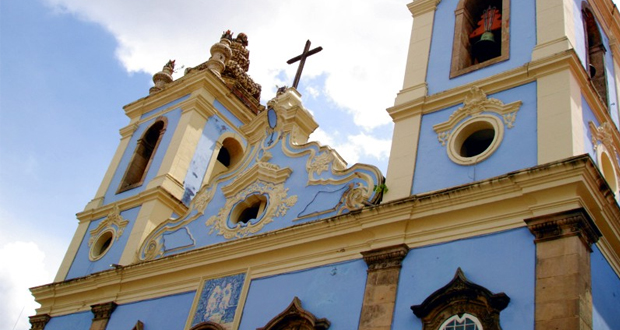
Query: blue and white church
point(499, 208)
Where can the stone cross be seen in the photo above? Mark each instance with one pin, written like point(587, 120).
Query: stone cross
point(302, 59)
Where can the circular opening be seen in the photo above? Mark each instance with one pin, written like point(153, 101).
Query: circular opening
point(475, 140)
point(609, 172)
point(250, 209)
point(477, 143)
point(102, 245)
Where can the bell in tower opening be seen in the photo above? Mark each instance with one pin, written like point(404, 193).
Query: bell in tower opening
point(486, 39)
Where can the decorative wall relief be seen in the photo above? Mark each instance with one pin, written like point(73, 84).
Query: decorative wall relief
point(261, 179)
point(107, 232)
point(218, 300)
point(474, 131)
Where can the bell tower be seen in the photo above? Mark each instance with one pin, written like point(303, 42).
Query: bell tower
point(494, 86)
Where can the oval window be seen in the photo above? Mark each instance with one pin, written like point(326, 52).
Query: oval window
point(252, 208)
point(475, 140)
point(102, 245)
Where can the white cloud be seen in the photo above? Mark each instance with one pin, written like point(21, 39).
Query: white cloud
point(364, 43)
point(353, 148)
point(23, 267)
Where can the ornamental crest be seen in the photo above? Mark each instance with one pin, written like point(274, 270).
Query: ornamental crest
point(278, 203)
point(475, 103)
point(114, 221)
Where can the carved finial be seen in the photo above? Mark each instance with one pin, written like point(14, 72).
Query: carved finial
point(163, 77)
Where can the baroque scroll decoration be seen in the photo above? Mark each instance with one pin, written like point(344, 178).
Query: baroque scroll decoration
point(475, 103)
point(114, 222)
point(278, 203)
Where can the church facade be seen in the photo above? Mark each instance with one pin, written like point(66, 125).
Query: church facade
point(499, 209)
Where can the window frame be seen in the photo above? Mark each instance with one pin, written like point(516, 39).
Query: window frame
point(461, 61)
point(124, 186)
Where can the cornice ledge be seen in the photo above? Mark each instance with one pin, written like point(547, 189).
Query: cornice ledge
point(419, 7)
point(575, 222)
point(385, 258)
point(148, 195)
point(266, 172)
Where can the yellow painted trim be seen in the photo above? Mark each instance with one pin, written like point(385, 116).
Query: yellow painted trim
point(414, 84)
point(480, 208)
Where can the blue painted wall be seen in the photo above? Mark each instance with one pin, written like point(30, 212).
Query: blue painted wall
point(77, 321)
point(212, 130)
point(501, 262)
point(190, 232)
point(164, 313)
point(82, 265)
point(605, 293)
point(111, 196)
point(434, 169)
point(588, 116)
point(165, 106)
point(522, 42)
point(334, 292)
point(580, 49)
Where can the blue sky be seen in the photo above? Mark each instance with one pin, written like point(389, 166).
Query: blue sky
point(67, 67)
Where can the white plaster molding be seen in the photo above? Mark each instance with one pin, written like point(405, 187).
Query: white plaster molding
point(474, 104)
point(278, 203)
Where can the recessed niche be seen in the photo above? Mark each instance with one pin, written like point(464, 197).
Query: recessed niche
point(475, 140)
point(252, 208)
point(608, 170)
point(102, 245)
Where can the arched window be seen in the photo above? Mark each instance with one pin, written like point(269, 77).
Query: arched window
point(228, 155)
point(595, 52)
point(143, 156)
point(463, 322)
point(481, 36)
point(295, 317)
point(461, 305)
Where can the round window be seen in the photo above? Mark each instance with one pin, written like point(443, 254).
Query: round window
point(252, 208)
point(102, 245)
point(475, 140)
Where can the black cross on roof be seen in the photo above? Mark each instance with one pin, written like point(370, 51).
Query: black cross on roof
point(302, 59)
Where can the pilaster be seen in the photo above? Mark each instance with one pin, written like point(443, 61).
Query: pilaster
point(179, 154)
point(71, 251)
point(563, 278)
point(559, 116)
point(102, 313)
point(151, 214)
point(38, 322)
point(414, 85)
point(403, 154)
point(554, 28)
point(384, 266)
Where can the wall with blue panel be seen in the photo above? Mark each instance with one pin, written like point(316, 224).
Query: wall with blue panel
point(164, 313)
point(334, 292)
point(77, 321)
point(83, 266)
point(522, 42)
point(605, 293)
point(211, 132)
point(518, 149)
point(501, 262)
point(580, 49)
point(111, 196)
point(588, 116)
